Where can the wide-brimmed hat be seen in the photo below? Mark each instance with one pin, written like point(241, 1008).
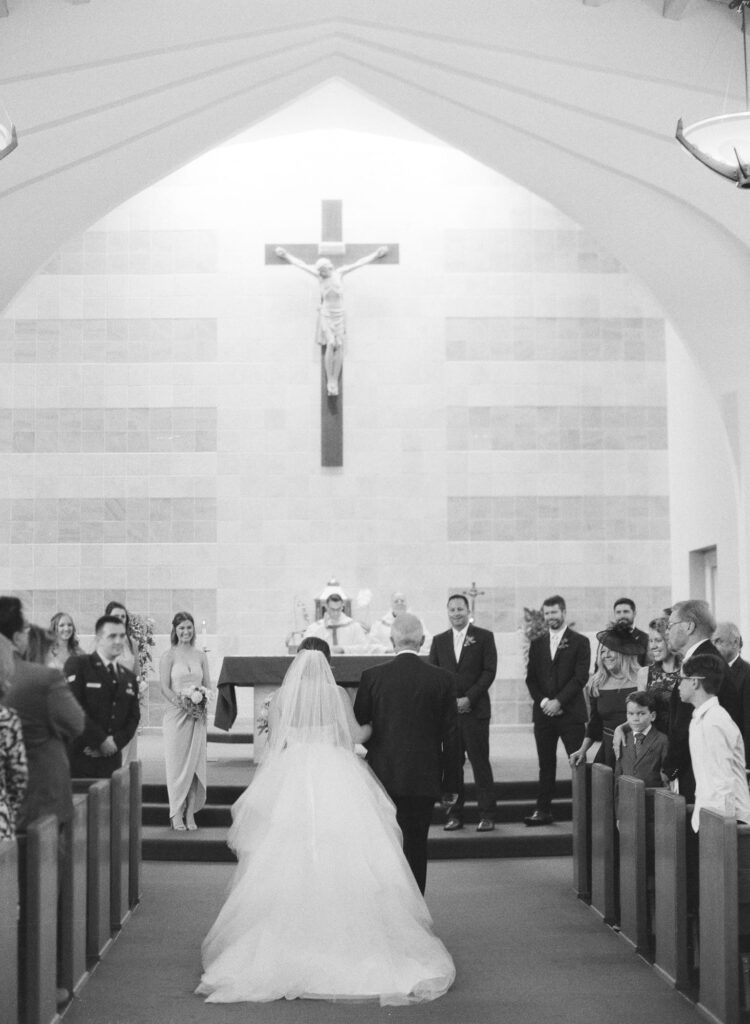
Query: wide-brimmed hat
point(619, 638)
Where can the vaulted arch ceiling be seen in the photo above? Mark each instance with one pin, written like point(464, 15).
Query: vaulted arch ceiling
point(577, 101)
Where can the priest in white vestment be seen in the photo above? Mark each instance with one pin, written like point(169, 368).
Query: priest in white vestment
point(343, 635)
point(380, 634)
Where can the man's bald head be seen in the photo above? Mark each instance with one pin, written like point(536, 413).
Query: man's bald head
point(407, 632)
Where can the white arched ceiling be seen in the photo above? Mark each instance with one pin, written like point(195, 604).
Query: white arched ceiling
point(576, 101)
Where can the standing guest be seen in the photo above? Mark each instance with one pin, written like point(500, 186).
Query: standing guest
point(65, 640)
point(128, 656)
point(342, 634)
point(663, 674)
point(414, 747)
point(614, 681)
point(644, 748)
point(13, 770)
point(716, 748)
point(557, 672)
point(727, 639)
point(470, 654)
point(185, 736)
point(689, 630)
point(50, 717)
point(624, 616)
point(108, 694)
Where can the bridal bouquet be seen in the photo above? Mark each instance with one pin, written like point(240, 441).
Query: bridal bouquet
point(194, 700)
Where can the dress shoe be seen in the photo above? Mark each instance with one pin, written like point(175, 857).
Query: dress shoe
point(485, 825)
point(453, 825)
point(539, 818)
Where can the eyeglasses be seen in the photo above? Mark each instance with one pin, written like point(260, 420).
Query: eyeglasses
point(675, 623)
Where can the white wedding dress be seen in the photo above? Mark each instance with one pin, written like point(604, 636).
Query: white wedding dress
point(323, 904)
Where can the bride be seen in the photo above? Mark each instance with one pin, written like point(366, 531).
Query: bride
point(322, 904)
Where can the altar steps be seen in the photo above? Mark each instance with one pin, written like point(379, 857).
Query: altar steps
point(511, 837)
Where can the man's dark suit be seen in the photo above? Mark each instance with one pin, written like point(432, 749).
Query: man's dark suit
point(561, 679)
point(475, 674)
point(111, 708)
point(645, 760)
point(414, 748)
point(739, 672)
point(678, 764)
point(50, 717)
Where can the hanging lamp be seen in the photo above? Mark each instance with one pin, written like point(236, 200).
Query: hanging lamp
point(723, 143)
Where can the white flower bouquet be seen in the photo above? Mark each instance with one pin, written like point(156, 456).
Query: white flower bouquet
point(194, 700)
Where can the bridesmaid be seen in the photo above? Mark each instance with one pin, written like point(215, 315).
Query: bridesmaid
point(65, 640)
point(185, 737)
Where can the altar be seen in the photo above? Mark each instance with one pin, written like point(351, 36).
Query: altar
point(267, 674)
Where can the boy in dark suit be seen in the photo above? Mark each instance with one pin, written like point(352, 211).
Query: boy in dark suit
point(644, 749)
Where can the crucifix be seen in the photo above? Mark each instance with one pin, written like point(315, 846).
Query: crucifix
point(473, 594)
point(328, 261)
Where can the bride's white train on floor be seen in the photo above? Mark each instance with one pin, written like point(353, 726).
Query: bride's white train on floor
point(323, 904)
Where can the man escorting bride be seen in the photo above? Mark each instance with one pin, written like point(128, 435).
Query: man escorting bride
point(323, 904)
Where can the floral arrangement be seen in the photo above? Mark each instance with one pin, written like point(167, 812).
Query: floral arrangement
point(194, 700)
point(142, 635)
point(261, 723)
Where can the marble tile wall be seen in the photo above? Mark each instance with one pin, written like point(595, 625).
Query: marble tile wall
point(504, 407)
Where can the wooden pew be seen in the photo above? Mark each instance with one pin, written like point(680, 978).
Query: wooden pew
point(38, 953)
point(73, 899)
point(671, 890)
point(119, 867)
point(603, 842)
point(631, 815)
point(136, 833)
point(98, 931)
point(724, 913)
point(9, 928)
point(581, 776)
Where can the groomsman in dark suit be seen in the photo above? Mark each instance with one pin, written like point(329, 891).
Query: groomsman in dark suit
point(108, 694)
point(624, 615)
point(727, 639)
point(414, 748)
point(557, 672)
point(470, 654)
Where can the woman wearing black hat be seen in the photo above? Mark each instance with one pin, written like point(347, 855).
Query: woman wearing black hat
point(615, 678)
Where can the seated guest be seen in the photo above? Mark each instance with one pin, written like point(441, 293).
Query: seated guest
point(50, 717)
point(644, 747)
point(65, 640)
point(379, 636)
point(610, 686)
point(716, 748)
point(624, 616)
point(663, 674)
point(343, 635)
point(13, 769)
point(108, 694)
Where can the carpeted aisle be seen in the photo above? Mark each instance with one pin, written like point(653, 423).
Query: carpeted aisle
point(526, 952)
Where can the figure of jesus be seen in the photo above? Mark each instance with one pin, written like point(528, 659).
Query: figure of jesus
point(331, 329)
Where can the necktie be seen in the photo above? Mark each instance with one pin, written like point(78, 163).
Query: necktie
point(458, 642)
point(639, 738)
point(112, 672)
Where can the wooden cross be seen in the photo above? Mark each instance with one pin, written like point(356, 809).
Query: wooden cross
point(339, 253)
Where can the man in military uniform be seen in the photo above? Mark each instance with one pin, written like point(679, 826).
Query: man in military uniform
point(108, 694)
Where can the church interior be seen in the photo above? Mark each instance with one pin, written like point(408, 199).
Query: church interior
point(545, 385)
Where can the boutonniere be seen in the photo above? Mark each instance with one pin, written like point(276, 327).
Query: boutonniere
point(469, 641)
point(563, 644)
